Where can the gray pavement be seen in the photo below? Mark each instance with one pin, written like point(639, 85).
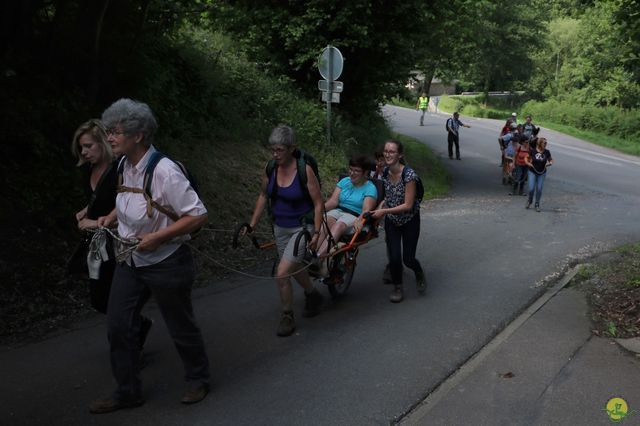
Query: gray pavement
point(550, 370)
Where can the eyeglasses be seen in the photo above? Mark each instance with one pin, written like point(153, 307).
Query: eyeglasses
point(354, 171)
point(114, 132)
point(278, 150)
point(390, 152)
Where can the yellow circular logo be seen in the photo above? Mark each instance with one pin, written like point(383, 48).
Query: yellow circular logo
point(617, 409)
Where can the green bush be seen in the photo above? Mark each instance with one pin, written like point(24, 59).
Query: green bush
point(608, 120)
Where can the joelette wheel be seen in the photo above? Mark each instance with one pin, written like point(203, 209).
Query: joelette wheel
point(341, 273)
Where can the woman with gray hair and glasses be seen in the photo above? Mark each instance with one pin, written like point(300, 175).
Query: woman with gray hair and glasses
point(160, 263)
point(295, 206)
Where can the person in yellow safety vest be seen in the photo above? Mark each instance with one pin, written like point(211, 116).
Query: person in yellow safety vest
point(422, 104)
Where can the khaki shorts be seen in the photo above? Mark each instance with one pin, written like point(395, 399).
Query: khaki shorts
point(344, 217)
point(286, 241)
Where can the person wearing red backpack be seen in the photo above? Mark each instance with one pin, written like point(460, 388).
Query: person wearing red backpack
point(521, 168)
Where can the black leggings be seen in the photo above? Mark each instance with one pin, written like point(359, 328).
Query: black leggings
point(402, 242)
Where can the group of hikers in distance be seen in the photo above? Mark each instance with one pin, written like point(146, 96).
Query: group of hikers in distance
point(524, 157)
point(153, 203)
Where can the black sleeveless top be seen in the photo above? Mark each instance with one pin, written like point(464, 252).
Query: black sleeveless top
point(103, 200)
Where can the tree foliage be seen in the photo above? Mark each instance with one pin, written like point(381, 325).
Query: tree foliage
point(501, 57)
point(286, 37)
point(590, 55)
point(627, 18)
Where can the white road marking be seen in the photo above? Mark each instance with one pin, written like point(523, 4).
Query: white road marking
point(599, 154)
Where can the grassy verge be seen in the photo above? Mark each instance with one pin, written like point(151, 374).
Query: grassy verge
point(471, 106)
point(613, 287)
point(622, 145)
point(398, 101)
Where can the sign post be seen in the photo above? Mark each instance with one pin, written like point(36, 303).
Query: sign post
point(330, 66)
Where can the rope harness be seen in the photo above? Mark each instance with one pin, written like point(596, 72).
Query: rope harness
point(151, 203)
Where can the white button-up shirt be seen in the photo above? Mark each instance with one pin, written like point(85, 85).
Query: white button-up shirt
point(171, 189)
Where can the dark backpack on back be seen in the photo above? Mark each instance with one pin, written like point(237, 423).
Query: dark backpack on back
point(302, 160)
point(148, 177)
point(419, 184)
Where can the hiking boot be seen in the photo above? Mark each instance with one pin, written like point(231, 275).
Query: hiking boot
point(287, 324)
point(144, 330)
point(396, 295)
point(109, 405)
point(538, 208)
point(195, 395)
point(312, 304)
point(421, 282)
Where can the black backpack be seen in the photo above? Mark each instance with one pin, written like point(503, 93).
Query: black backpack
point(148, 177)
point(419, 184)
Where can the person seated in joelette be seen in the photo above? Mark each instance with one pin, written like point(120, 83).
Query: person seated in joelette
point(353, 196)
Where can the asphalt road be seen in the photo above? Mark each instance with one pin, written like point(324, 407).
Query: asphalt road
point(363, 361)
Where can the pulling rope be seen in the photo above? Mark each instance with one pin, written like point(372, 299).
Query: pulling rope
point(259, 277)
point(124, 247)
point(265, 234)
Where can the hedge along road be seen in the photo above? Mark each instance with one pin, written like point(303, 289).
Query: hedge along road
point(363, 360)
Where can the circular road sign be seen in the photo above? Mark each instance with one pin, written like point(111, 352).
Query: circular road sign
point(336, 63)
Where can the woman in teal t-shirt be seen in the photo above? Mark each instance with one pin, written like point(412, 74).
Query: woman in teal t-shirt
point(353, 196)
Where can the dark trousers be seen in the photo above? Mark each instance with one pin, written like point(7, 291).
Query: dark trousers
point(170, 284)
point(402, 242)
point(99, 289)
point(453, 139)
point(521, 176)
